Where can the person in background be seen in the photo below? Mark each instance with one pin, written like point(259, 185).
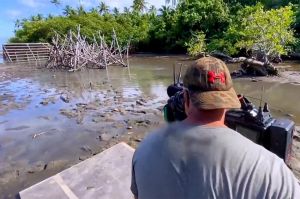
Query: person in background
point(202, 158)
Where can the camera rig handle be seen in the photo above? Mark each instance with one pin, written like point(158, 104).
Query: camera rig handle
point(246, 105)
point(177, 84)
point(260, 116)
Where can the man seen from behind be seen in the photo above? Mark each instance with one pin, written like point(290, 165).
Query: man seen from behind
point(202, 158)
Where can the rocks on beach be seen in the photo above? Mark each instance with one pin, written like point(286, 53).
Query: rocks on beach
point(65, 98)
point(48, 100)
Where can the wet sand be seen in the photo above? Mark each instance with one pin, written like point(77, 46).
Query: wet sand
point(51, 120)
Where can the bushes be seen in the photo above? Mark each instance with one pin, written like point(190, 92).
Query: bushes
point(192, 26)
point(131, 26)
point(267, 32)
point(196, 45)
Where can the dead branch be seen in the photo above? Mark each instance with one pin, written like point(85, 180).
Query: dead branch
point(72, 52)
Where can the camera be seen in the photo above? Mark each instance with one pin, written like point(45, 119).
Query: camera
point(257, 124)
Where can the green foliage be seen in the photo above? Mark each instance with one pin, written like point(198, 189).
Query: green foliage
point(134, 27)
point(278, 3)
point(259, 31)
point(265, 3)
point(173, 28)
point(265, 31)
point(297, 45)
point(189, 26)
point(164, 33)
point(226, 41)
point(139, 5)
point(68, 11)
point(196, 45)
point(103, 8)
point(209, 16)
point(297, 24)
point(223, 45)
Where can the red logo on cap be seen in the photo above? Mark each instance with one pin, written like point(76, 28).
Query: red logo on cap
point(212, 76)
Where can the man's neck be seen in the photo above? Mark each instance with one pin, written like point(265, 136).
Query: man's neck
point(211, 118)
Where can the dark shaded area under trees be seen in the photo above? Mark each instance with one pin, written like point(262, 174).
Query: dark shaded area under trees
point(233, 27)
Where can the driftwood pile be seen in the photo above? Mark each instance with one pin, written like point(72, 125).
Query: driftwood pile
point(73, 52)
point(249, 66)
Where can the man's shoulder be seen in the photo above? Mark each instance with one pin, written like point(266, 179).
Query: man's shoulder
point(154, 140)
point(153, 137)
point(160, 133)
point(182, 129)
point(222, 139)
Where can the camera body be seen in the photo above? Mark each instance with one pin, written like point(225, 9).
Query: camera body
point(258, 125)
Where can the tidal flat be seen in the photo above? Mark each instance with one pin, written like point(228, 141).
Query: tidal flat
point(51, 120)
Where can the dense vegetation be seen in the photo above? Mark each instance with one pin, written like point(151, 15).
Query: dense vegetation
point(231, 26)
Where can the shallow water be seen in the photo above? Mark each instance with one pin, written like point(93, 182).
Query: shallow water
point(147, 76)
point(23, 117)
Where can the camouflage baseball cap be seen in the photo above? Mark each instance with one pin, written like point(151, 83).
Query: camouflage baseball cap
point(210, 85)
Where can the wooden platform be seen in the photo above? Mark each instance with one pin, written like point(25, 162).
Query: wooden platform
point(106, 175)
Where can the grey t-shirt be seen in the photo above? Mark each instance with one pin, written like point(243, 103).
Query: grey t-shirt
point(187, 161)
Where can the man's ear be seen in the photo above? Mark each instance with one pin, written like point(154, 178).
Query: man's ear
point(186, 97)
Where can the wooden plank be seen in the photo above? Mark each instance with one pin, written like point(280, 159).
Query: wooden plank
point(27, 58)
point(7, 54)
point(33, 49)
point(104, 176)
point(20, 44)
point(28, 62)
point(27, 53)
